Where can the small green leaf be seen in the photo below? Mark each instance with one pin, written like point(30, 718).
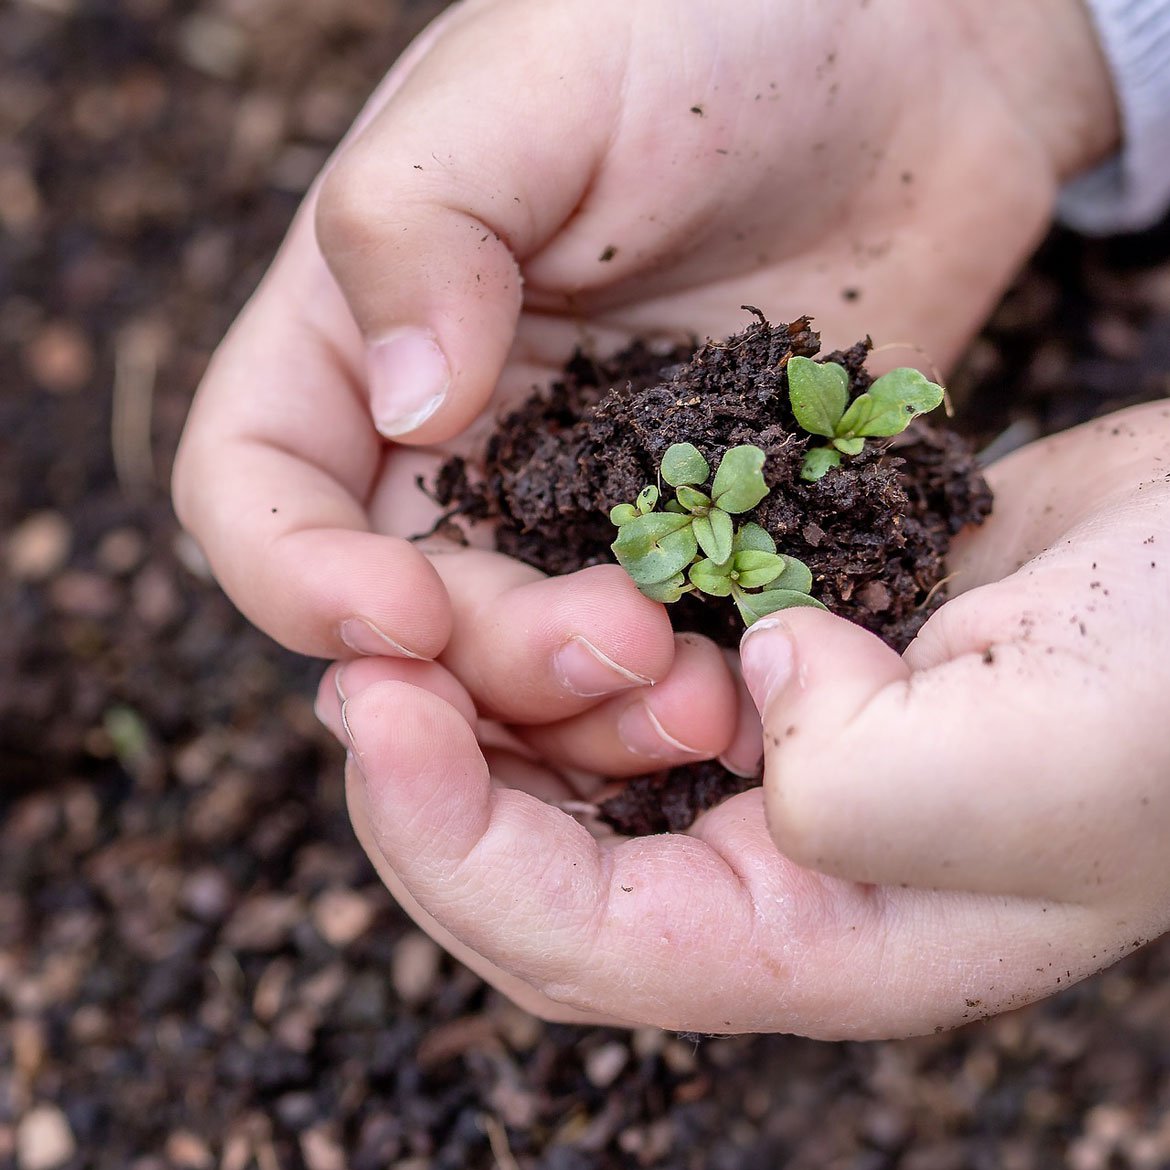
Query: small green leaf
point(754, 569)
point(817, 461)
point(647, 498)
point(655, 547)
point(795, 575)
point(710, 578)
point(852, 446)
point(818, 392)
point(890, 404)
point(676, 507)
point(692, 499)
point(667, 591)
point(623, 514)
point(752, 536)
point(739, 483)
point(683, 463)
point(753, 606)
point(910, 387)
point(714, 534)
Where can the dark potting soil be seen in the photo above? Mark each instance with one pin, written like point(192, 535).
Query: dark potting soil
point(874, 532)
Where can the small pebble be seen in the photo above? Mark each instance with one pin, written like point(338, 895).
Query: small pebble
point(60, 357)
point(44, 1139)
point(342, 916)
point(415, 967)
point(83, 594)
point(603, 1064)
point(121, 550)
point(320, 1150)
point(188, 1151)
point(39, 546)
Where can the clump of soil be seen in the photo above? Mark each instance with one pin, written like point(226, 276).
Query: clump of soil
point(874, 532)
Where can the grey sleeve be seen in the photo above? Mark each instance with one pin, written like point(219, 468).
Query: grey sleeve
point(1131, 191)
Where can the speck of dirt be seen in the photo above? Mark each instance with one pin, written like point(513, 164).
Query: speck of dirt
point(607, 253)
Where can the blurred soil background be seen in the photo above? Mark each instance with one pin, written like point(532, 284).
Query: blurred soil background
point(198, 970)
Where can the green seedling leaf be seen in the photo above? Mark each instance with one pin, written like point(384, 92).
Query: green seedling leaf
point(852, 446)
point(676, 507)
point(693, 500)
point(752, 536)
point(739, 483)
point(890, 404)
point(647, 499)
point(795, 575)
point(753, 569)
point(910, 387)
point(683, 463)
point(753, 606)
point(653, 548)
point(818, 392)
point(710, 578)
point(817, 462)
point(714, 534)
point(623, 514)
point(668, 591)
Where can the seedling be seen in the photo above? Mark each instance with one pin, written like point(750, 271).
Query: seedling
point(819, 393)
point(693, 544)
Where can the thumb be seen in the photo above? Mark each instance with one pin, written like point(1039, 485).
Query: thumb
point(426, 216)
point(964, 776)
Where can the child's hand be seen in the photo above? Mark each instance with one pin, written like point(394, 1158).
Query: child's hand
point(961, 831)
point(539, 173)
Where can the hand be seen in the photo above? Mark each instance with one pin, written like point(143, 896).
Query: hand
point(961, 831)
point(398, 294)
point(533, 175)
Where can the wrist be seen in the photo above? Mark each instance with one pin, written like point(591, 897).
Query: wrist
point(1047, 62)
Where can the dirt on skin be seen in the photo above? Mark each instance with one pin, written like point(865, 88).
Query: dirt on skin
point(874, 531)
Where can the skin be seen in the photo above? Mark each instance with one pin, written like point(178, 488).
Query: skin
point(996, 822)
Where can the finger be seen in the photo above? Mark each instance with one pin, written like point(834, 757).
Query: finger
point(427, 215)
point(276, 462)
point(745, 754)
point(710, 933)
point(342, 679)
point(515, 988)
point(532, 649)
point(690, 715)
point(981, 773)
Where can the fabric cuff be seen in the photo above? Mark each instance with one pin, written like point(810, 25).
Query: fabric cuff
point(1131, 191)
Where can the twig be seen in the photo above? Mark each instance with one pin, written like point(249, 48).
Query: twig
point(498, 1140)
point(137, 353)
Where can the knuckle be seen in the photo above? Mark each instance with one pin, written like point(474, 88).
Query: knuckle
point(348, 206)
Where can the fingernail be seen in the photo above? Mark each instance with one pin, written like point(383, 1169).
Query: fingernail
point(638, 728)
point(409, 378)
point(362, 636)
point(745, 757)
point(353, 752)
point(586, 671)
point(767, 658)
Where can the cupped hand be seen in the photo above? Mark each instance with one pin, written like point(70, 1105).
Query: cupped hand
point(533, 176)
point(961, 830)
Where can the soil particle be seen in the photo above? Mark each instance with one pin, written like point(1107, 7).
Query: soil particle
point(874, 532)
